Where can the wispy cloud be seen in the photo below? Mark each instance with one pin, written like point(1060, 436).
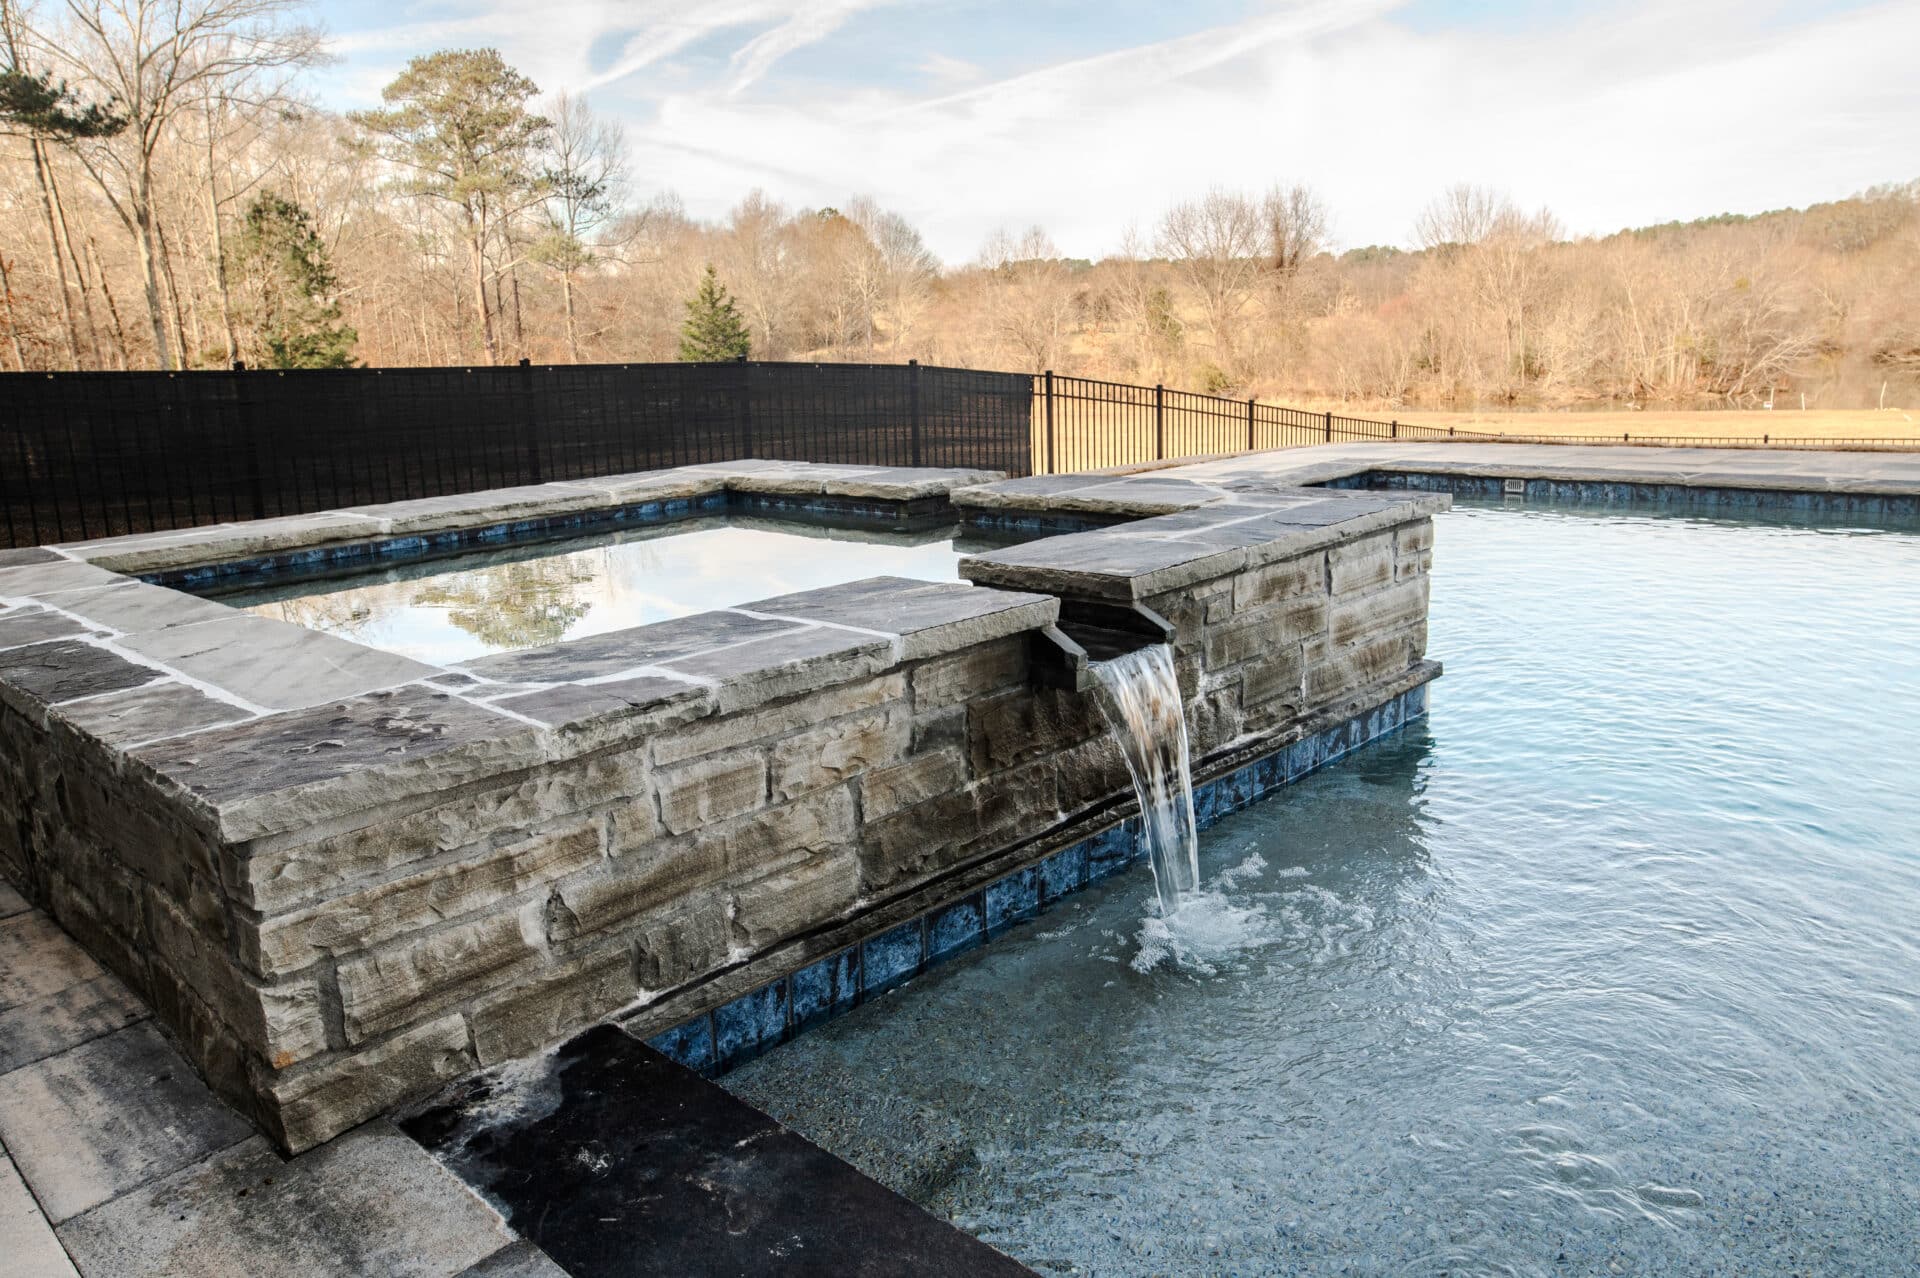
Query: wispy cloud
point(1612, 116)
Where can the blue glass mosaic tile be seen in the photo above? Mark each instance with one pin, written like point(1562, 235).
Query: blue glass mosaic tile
point(890, 958)
point(1109, 851)
point(1013, 899)
point(755, 1022)
point(690, 1044)
point(826, 988)
point(956, 928)
point(1063, 873)
point(750, 1024)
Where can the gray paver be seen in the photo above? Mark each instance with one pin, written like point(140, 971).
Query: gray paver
point(134, 607)
point(27, 1243)
point(63, 669)
point(38, 959)
point(371, 1202)
point(571, 703)
point(89, 1124)
point(522, 1260)
point(33, 625)
point(51, 1024)
point(149, 713)
point(32, 580)
point(369, 745)
point(621, 650)
point(930, 617)
point(276, 664)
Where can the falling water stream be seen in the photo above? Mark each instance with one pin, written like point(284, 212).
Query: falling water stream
point(1143, 703)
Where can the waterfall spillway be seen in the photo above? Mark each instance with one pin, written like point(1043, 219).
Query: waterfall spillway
point(1143, 702)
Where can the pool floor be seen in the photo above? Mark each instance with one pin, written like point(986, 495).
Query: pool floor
point(456, 608)
point(1611, 965)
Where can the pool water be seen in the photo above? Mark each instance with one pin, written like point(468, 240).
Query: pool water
point(456, 608)
point(1611, 965)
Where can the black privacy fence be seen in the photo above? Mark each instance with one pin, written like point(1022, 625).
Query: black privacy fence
point(85, 455)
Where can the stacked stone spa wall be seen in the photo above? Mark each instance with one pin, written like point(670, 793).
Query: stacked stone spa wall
point(342, 906)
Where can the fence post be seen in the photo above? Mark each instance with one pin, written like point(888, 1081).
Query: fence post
point(913, 404)
point(1052, 464)
point(526, 418)
point(1249, 424)
point(1329, 425)
point(250, 427)
point(744, 408)
point(1159, 423)
point(1396, 428)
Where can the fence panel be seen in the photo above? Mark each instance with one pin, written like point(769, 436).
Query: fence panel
point(85, 455)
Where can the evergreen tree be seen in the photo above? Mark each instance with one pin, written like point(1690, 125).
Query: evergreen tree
point(714, 330)
point(292, 306)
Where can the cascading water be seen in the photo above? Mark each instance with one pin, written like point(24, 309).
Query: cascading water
point(1143, 704)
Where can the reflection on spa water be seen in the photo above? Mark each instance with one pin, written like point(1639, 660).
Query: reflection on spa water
point(457, 608)
point(1612, 965)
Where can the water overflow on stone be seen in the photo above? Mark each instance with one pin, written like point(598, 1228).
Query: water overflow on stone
point(1143, 702)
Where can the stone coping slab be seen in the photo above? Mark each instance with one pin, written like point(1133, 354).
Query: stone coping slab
point(257, 726)
point(213, 543)
point(1215, 530)
point(1778, 469)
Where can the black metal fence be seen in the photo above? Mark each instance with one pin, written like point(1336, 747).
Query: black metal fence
point(1083, 424)
point(86, 455)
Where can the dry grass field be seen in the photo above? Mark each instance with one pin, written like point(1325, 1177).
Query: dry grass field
point(1793, 424)
point(1090, 436)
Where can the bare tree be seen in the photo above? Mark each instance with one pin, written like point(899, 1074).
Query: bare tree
point(155, 59)
point(1029, 295)
point(895, 272)
point(1462, 214)
point(1297, 222)
point(1217, 243)
point(585, 174)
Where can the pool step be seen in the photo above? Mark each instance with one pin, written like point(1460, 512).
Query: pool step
point(615, 1160)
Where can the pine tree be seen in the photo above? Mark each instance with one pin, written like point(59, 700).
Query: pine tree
point(714, 330)
point(292, 304)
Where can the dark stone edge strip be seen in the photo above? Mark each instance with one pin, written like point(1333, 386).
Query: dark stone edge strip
point(1616, 492)
point(765, 1017)
point(329, 557)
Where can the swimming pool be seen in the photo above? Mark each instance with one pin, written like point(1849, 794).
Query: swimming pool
point(454, 608)
point(1610, 965)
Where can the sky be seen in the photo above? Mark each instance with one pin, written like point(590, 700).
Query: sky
point(1089, 118)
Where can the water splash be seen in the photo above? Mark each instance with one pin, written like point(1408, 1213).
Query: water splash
point(1143, 703)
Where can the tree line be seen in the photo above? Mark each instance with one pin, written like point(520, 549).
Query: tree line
point(174, 199)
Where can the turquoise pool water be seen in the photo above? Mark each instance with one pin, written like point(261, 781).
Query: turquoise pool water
point(458, 607)
point(1612, 965)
